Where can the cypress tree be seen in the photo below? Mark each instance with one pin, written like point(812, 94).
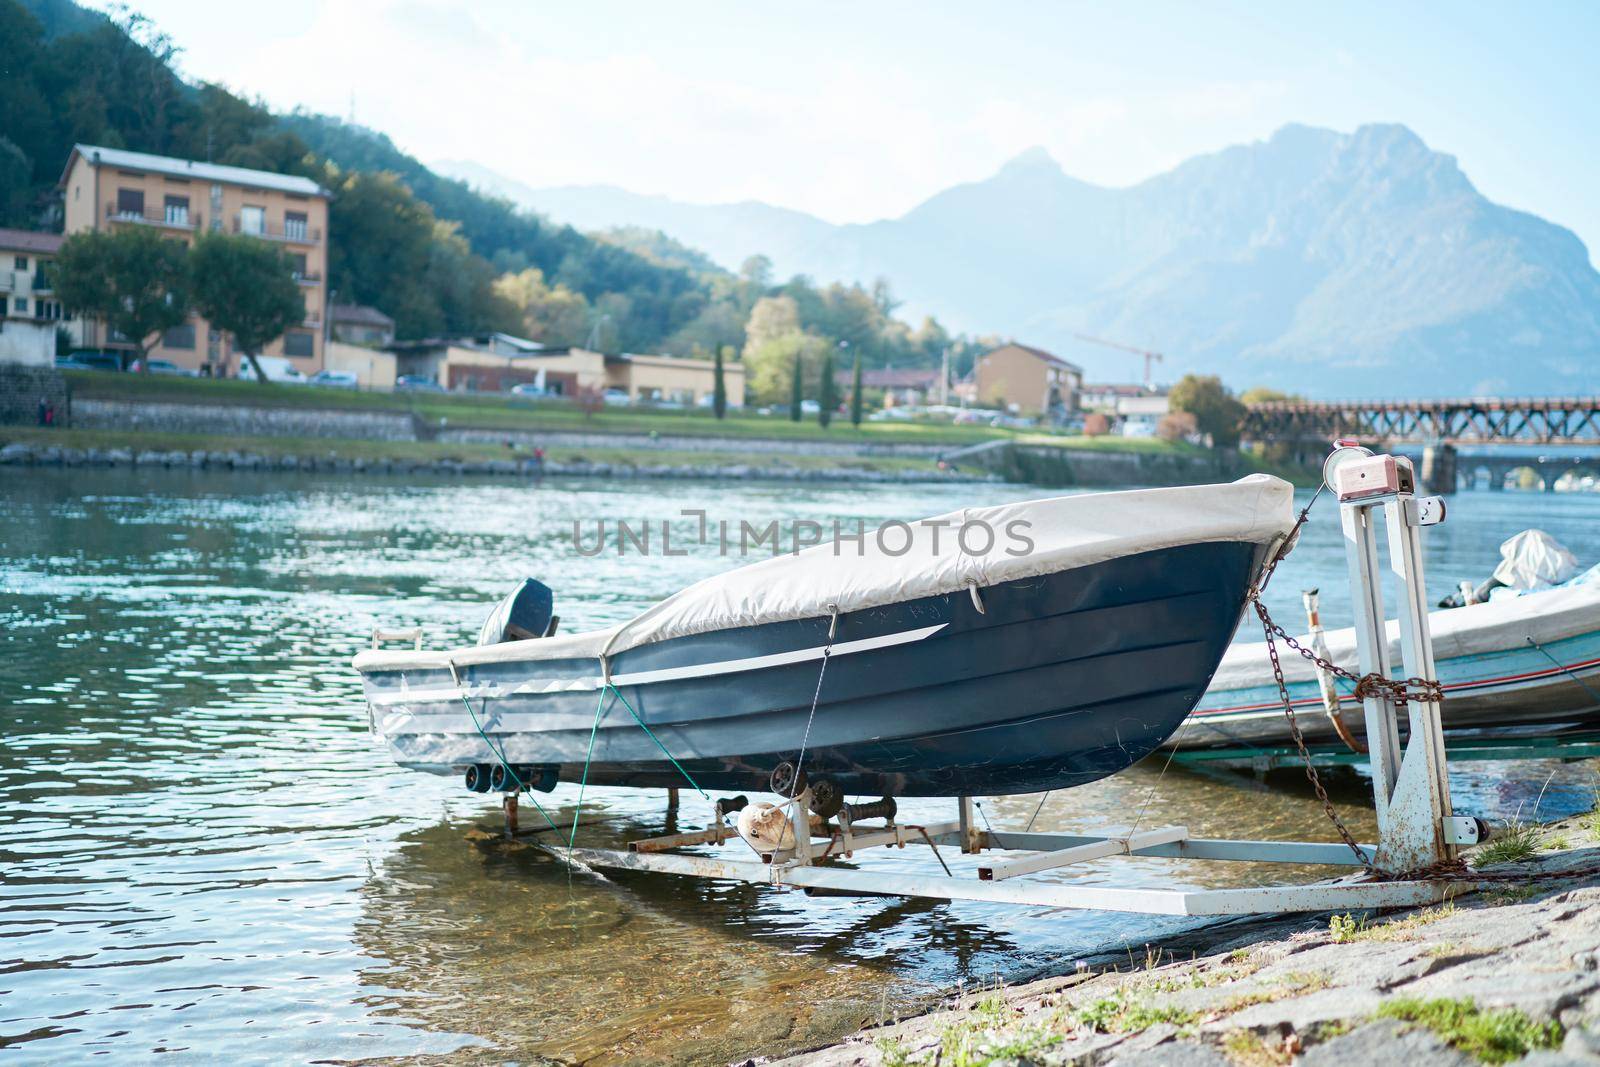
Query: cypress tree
point(829, 398)
point(796, 388)
point(719, 388)
point(855, 393)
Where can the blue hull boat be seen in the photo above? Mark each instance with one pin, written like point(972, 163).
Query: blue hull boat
point(951, 674)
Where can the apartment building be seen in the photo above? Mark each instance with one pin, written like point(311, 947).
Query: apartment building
point(107, 188)
point(30, 313)
point(1028, 381)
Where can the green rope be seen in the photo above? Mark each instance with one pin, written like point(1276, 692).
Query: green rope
point(583, 782)
point(657, 740)
point(500, 755)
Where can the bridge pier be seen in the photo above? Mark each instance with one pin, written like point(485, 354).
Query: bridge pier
point(1439, 468)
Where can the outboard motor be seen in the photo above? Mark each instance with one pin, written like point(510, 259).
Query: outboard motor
point(528, 612)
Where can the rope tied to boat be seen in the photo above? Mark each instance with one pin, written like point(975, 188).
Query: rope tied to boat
point(827, 650)
point(606, 686)
point(498, 751)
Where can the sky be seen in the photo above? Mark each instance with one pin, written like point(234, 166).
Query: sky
point(855, 112)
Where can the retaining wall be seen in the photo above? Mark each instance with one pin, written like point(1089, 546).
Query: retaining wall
point(21, 386)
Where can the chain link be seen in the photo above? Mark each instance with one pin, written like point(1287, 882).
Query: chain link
point(1400, 692)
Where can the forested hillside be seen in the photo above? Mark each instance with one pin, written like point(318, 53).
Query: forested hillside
point(434, 253)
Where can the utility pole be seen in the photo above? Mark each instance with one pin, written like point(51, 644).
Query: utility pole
point(944, 379)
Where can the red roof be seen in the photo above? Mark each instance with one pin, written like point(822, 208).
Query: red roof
point(44, 244)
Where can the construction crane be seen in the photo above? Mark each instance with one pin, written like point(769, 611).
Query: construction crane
point(1149, 357)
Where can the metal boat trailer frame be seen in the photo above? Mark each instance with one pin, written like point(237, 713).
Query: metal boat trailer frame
point(1410, 787)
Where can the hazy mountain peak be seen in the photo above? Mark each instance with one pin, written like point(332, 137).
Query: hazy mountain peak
point(1035, 160)
point(1313, 260)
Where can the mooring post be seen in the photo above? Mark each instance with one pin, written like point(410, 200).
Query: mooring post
point(971, 839)
point(508, 804)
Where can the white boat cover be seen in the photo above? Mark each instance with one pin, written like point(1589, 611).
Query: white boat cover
point(1553, 615)
point(920, 559)
point(1533, 560)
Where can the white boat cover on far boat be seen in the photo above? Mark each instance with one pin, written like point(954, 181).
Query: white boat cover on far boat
point(919, 559)
point(1547, 617)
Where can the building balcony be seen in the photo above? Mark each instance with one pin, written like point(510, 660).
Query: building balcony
point(171, 220)
point(41, 283)
point(308, 278)
point(289, 234)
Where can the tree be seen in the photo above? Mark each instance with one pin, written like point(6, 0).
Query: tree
point(1260, 394)
point(133, 280)
point(1176, 426)
point(796, 390)
point(827, 392)
point(1217, 412)
point(719, 388)
point(855, 393)
point(757, 271)
point(245, 286)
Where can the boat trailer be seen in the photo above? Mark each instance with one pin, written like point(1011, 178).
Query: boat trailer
point(1417, 831)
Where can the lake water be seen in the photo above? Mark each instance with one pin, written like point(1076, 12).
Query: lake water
point(205, 854)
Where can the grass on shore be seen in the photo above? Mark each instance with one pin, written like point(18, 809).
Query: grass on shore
point(497, 412)
point(429, 451)
point(1488, 1036)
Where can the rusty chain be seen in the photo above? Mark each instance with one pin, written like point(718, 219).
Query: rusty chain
point(1373, 684)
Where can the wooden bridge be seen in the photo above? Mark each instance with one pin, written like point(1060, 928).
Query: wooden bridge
point(1441, 427)
point(1469, 421)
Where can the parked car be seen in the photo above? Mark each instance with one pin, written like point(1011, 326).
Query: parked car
point(90, 359)
point(417, 383)
point(809, 407)
point(529, 391)
point(618, 398)
point(276, 368)
point(335, 379)
point(161, 366)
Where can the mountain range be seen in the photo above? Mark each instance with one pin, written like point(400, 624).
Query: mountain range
point(1336, 264)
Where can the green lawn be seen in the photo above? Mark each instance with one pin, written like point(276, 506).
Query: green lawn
point(501, 413)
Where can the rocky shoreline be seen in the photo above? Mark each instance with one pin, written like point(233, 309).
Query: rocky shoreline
point(1509, 974)
point(21, 454)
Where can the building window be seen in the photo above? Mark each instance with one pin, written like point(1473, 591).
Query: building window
point(180, 337)
point(299, 343)
point(294, 225)
point(253, 220)
point(48, 309)
point(22, 262)
point(298, 264)
point(130, 202)
point(177, 210)
point(21, 305)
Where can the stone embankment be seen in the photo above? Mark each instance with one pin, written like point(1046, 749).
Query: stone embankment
point(1509, 974)
point(21, 454)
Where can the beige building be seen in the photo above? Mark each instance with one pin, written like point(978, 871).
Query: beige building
point(373, 368)
point(108, 188)
point(1027, 381)
point(28, 306)
point(493, 363)
point(673, 379)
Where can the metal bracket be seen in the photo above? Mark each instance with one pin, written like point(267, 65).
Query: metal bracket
point(1464, 830)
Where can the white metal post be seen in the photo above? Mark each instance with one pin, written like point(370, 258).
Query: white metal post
point(1410, 787)
point(1372, 652)
point(1423, 790)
